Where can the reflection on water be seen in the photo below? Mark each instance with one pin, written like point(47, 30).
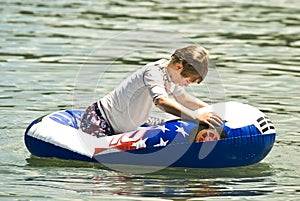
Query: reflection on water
point(170, 182)
point(62, 54)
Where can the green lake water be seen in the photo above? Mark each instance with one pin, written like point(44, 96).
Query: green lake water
point(58, 55)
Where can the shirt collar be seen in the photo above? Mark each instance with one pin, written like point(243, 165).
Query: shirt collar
point(164, 65)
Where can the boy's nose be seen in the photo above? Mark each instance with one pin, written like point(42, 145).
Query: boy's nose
point(186, 84)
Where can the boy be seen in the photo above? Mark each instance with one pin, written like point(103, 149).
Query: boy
point(129, 105)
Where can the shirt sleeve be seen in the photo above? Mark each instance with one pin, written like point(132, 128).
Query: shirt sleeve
point(177, 90)
point(153, 79)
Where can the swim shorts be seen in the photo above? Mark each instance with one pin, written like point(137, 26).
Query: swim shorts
point(93, 122)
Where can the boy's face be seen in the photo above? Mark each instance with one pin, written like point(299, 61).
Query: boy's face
point(177, 78)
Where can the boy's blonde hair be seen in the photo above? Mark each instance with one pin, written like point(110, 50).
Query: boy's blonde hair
point(195, 61)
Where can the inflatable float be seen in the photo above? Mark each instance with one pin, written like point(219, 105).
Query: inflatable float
point(245, 138)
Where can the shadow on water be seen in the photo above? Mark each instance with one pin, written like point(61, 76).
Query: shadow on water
point(174, 183)
point(256, 170)
point(34, 161)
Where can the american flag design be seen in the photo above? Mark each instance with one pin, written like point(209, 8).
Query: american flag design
point(157, 136)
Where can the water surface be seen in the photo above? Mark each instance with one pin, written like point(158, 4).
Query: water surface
point(63, 54)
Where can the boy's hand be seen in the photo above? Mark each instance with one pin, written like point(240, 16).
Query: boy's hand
point(210, 118)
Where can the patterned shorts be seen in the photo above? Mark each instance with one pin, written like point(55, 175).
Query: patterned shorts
point(94, 123)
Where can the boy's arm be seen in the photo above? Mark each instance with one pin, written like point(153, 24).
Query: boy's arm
point(190, 101)
point(170, 106)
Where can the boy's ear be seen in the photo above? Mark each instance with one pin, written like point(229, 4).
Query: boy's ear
point(178, 66)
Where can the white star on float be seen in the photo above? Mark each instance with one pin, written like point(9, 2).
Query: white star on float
point(183, 123)
point(162, 143)
point(140, 144)
point(182, 131)
point(162, 128)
